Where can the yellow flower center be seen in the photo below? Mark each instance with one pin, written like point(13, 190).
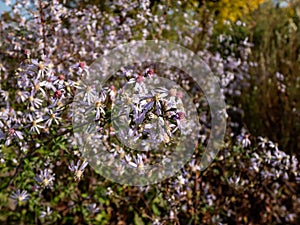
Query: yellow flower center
point(157, 97)
point(45, 182)
point(41, 66)
point(78, 175)
point(98, 104)
point(37, 87)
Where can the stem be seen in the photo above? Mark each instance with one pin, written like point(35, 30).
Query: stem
point(43, 25)
point(197, 188)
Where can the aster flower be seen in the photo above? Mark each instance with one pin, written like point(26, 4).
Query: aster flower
point(35, 127)
point(234, 180)
point(139, 85)
point(34, 102)
point(45, 178)
point(36, 87)
point(4, 95)
point(112, 93)
point(46, 213)
point(88, 92)
point(92, 208)
point(52, 117)
point(23, 81)
point(180, 180)
point(2, 68)
point(22, 96)
point(2, 160)
point(43, 69)
point(262, 142)
point(246, 141)
point(155, 99)
point(19, 197)
point(171, 97)
point(156, 221)
point(98, 106)
point(149, 72)
point(27, 53)
point(279, 155)
point(49, 83)
point(78, 169)
point(57, 97)
point(82, 67)
point(137, 161)
point(12, 133)
point(273, 146)
point(268, 157)
point(109, 191)
point(4, 114)
point(194, 166)
point(180, 119)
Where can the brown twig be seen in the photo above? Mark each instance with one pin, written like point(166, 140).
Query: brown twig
point(197, 189)
point(43, 26)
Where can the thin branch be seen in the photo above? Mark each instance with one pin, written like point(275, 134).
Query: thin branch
point(43, 25)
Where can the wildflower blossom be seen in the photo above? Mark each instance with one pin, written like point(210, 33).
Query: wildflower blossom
point(109, 191)
point(78, 169)
point(52, 117)
point(22, 96)
point(46, 213)
point(19, 196)
point(43, 69)
point(49, 83)
point(35, 126)
point(246, 142)
point(99, 107)
point(262, 142)
point(37, 88)
point(12, 133)
point(92, 208)
point(4, 95)
point(34, 102)
point(234, 180)
point(154, 116)
point(45, 178)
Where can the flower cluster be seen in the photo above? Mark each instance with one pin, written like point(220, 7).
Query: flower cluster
point(141, 114)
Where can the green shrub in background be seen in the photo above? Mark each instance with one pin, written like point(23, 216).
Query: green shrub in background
point(271, 103)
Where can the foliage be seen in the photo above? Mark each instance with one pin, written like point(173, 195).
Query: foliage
point(233, 10)
point(272, 98)
point(46, 49)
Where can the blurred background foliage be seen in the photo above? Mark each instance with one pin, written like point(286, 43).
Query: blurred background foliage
point(271, 103)
point(271, 107)
point(231, 10)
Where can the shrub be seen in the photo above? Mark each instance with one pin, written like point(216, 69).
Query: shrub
point(46, 49)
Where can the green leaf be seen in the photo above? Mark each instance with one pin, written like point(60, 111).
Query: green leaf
point(84, 195)
point(137, 219)
point(155, 210)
